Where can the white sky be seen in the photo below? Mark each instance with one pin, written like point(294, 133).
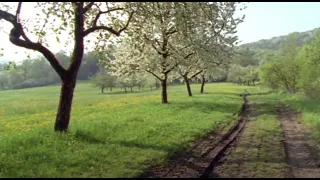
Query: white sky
point(263, 20)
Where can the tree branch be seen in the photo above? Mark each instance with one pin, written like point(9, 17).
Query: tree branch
point(14, 38)
point(195, 74)
point(18, 9)
point(88, 7)
point(18, 25)
point(154, 47)
point(8, 17)
point(103, 12)
point(154, 75)
point(166, 72)
point(127, 24)
point(44, 51)
point(171, 32)
point(157, 42)
point(187, 56)
point(185, 47)
point(216, 33)
point(94, 26)
point(92, 29)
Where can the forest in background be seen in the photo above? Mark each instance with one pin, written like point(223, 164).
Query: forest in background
point(244, 70)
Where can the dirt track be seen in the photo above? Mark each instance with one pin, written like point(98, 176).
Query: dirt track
point(302, 152)
point(249, 149)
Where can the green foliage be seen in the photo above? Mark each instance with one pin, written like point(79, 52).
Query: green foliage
point(283, 71)
point(243, 75)
point(268, 77)
point(293, 68)
point(309, 60)
point(103, 80)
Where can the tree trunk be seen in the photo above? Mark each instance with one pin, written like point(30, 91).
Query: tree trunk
point(64, 109)
point(188, 85)
point(125, 89)
point(131, 89)
point(69, 77)
point(151, 89)
point(164, 95)
point(102, 90)
point(202, 84)
point(110, 88)
point(139, 86)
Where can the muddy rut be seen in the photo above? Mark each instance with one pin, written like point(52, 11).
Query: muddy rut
point(301, 151)
point(199, 161)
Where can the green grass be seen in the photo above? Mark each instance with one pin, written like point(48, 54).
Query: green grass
point(309, 108)
point(112, 134)
point(259, 152)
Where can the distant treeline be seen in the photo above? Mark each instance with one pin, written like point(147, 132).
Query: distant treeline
point(38, 72)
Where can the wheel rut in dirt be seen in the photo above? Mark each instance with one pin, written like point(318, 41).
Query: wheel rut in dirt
point(199, 161)
point(302, 153)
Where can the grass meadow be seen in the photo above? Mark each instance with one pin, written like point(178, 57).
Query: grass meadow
point(117, 134)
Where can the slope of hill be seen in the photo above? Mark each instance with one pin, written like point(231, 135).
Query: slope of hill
point(276, 42)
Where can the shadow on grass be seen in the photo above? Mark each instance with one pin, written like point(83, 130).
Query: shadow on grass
point(90, 138)
point(133, 144)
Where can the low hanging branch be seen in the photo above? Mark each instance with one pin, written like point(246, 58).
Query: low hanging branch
point(17, 31)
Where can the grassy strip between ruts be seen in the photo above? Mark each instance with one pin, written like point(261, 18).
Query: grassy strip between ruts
point(259, 151)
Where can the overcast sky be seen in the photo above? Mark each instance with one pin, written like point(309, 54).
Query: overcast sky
point(263, 20)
